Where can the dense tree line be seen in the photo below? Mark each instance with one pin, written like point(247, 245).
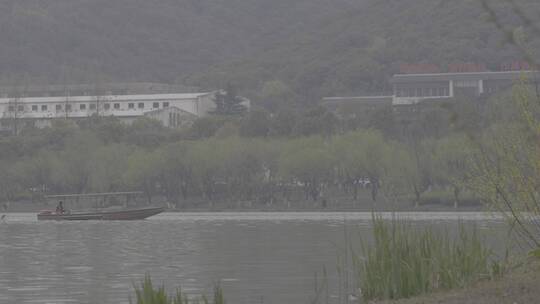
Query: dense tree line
point(230, 168)
point(257, 157)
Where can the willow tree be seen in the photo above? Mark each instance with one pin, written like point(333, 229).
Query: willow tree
point(361, 155)
point(350, 161)
point(9, 181)
point(506, 171)
point(377, 153)
point(452, 163)
point(243, 165)
point(207, 162)
point(176, 173)
point(420, 169)
point(143, 172)
point(309, 163)
point(73, 166)
point(108, 168)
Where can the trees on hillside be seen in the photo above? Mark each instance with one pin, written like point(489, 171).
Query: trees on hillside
point(228, 102)
point(256, 124)
point(276, 95)
point(317, 120)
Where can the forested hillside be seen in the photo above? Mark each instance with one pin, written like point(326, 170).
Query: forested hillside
point(357, 51)
point(158, 40)
point(300, 48)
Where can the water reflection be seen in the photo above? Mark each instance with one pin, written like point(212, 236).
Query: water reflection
point(258, 257)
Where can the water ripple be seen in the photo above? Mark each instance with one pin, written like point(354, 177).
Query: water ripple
point(270, 256)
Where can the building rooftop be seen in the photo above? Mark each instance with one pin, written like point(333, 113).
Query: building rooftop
point(358, 100)
point(506, 75)
point(105, 98)
point(93, 89)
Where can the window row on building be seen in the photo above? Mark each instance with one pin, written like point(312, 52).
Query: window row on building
point(466, 83)
point(422, 92)
point(83, 106)
point(60, 93)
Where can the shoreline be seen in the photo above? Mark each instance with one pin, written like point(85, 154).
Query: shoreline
point(519, 286)
point(34, 209)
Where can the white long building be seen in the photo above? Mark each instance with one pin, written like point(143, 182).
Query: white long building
point(411, 89)
point(40, 111)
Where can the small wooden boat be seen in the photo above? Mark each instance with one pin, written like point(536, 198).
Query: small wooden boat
point(124, 215)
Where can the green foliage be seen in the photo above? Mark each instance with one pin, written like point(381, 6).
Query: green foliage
point(10, 181)
point(206, 127)
point(420, 168)
point(404, 262)
point(398, 172)
point(275, 95)
point(535, 253)
point(147, 132)
point(109, 129)
point(322, 53)
point(228, 102)
point(506, 167)
point(265, 158)
point(452, 161)
point(361, 155)
point(143, 171)
point(251, 167)
point(192, 36)
point(308, 162)
point(255, 124)
point(146, 293)
point(336, 58)
point(72, 169)
point(110, 162)
point(316, 121)
point(176, 172)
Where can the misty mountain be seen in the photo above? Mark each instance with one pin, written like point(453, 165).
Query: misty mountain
point(316, 47)
point(357, 51)
point(163, 40)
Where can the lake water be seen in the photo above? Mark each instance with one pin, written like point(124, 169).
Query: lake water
point(256, 257)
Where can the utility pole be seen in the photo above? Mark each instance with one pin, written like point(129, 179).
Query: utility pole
point(13, 109)
point(66, 103)
point(97, 92)
point(66, 92)
point(15, 106)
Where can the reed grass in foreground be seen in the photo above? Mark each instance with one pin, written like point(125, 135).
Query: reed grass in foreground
point(404, 262)
point(146, 293)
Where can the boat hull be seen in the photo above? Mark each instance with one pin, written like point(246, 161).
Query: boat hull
point(123, 215)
